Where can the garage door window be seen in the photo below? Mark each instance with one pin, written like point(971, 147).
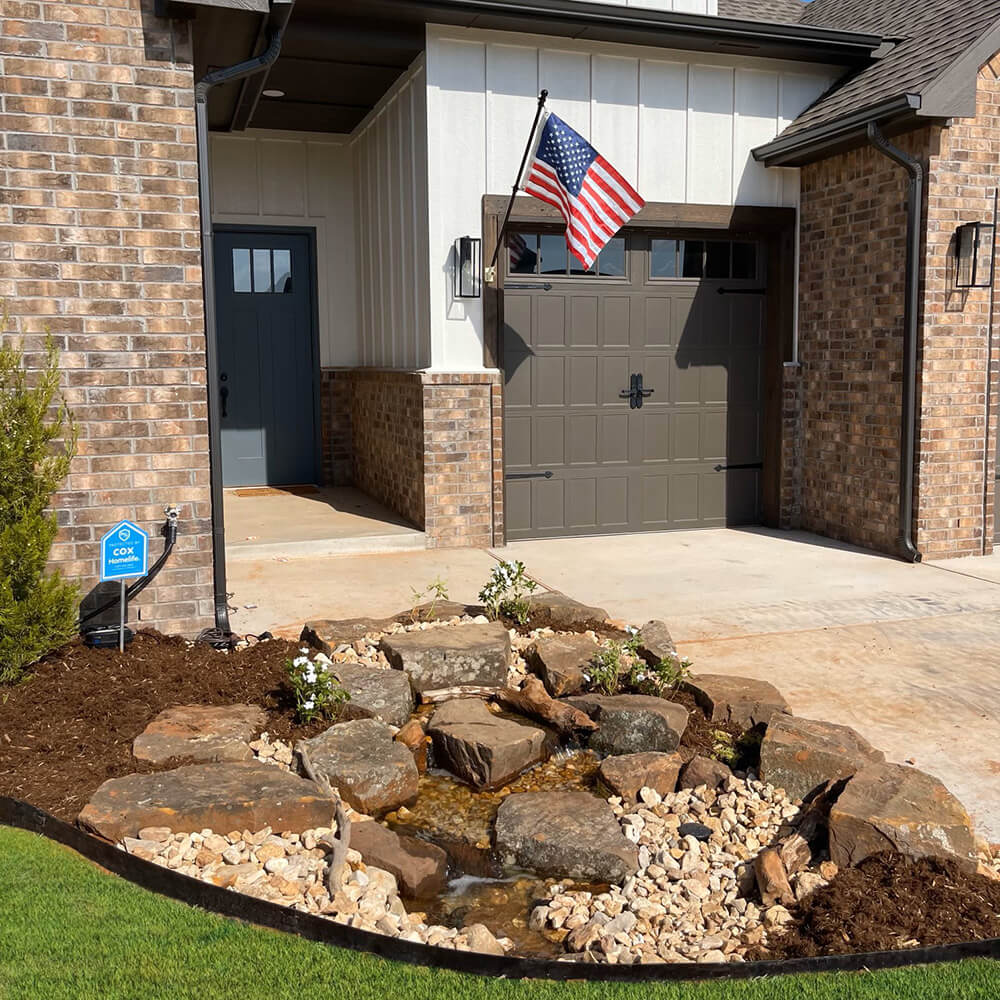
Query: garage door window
point(545, 254)
point(670, 258)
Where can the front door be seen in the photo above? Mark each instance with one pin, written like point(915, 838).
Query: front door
point(267, 358)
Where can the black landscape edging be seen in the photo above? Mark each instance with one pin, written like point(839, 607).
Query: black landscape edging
point(194, 892)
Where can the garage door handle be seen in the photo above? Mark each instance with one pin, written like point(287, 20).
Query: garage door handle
point(544, 286)
point(745, 465)
point(530, 475)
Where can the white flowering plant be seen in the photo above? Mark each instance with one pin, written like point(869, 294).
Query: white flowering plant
point(619, 667)
point(507, 590)
point(317, 689)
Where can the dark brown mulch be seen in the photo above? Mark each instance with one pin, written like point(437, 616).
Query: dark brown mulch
point(71, 725)
point(699, 737)
point(890, 902)
point(542, 618)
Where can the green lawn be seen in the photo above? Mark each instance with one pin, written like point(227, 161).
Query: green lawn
point(69, 930)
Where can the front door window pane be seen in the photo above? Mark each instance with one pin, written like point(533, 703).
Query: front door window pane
point(282, 270)
point(241, 270)
point(262, 270)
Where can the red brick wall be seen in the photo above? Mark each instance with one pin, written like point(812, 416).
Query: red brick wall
point(427, 445)
point(848, 392)
point(957, 437)
point(387, 423)
point(99, 231)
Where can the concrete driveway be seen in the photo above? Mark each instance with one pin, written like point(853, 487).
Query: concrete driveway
point(907, 655)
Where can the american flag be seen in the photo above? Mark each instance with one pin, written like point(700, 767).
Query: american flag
point(594, 199)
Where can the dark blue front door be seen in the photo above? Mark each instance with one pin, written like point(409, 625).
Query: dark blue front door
point(267, 360)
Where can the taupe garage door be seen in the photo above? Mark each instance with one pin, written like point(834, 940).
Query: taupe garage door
point(633, 391)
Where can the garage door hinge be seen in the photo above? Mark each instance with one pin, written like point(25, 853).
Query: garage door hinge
point(745, 465)
point(529, 475)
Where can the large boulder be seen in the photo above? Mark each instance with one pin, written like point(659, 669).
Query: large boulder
point(460, 658)
point(628, 774)
point(656, 643)
point(327, 634)
point(230, 796)
point(562, 662)
point(373, 772)
point(892, 807)
point(481, 748)
point(562, 612)
point(799, 755)
point(421, 869)
point(742, 701)
point(633, 723)
point(375, 693)
point(199, 734)
point(564, 834)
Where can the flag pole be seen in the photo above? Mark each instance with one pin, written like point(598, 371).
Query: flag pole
point(542, 97)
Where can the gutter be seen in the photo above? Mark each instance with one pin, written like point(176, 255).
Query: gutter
point(201, 91)
point(911, 316)
point(815, 142)
point(851, 44)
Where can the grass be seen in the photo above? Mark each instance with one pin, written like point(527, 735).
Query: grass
point(69, 930)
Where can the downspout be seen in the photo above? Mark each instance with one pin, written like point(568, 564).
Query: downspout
point(911, 321)
point(201, 91)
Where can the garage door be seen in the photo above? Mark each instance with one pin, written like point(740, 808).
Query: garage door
point(633, 390)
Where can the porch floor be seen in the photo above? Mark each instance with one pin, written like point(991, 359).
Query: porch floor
point(339, 520)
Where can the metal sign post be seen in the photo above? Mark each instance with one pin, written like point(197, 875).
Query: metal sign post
point(124, 554)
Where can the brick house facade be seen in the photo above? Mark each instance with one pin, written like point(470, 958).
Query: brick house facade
point(102, 248)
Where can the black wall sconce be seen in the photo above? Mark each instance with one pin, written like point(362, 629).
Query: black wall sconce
point(468, 267)
point(974, 254)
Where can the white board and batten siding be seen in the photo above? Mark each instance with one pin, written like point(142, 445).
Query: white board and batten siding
point(389, 150)
point(710, 7)
point(678, 126)
point(263, 178)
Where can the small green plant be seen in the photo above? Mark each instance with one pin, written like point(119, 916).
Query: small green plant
point(317, 690)
point(436, 590)
point(616, 663)
point(661, 679)
point(37, 444)
point(507, 590)
point(724, 747)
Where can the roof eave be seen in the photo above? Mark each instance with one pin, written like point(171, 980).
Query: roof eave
point(844, 132)
point(953, 93)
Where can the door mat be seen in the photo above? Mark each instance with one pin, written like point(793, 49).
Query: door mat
point(275, 491)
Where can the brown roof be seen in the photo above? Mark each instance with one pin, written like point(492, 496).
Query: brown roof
point(770, 11)
point(931, 34)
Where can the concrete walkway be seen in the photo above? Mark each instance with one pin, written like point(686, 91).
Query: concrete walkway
point(908, 655)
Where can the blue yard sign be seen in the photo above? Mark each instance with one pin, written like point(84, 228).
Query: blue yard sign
point(124, 552)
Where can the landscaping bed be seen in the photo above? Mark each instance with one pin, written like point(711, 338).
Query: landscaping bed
point(546, 784)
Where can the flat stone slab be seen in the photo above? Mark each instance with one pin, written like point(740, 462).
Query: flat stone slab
point(564, 612)
point(229, 796)
point(892, 807)
point(484, 749)
point(326, 634)
point(627, 774)
point(656, 643)
point(799, 755)
point(373, 772)
point(562, 662)
point(440, 611)
point(375, 693)
point(633, 723)
point(564, 834)
point(421, 869)
point(742, 701)
point(459, 656)
point(200, 734)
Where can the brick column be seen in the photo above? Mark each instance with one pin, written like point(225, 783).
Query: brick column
point(100, 235)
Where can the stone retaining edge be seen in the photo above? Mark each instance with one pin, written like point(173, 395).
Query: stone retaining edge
point(165, 882)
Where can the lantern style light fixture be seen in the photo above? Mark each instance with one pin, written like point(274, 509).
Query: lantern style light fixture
point(974, 254)
point(468, 267)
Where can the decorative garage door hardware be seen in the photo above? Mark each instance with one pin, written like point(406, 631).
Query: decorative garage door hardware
point(547, 474)
point(744, 465)
point(545, 286)
point(741, 291)
point(165, 882)
point(635, 393)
